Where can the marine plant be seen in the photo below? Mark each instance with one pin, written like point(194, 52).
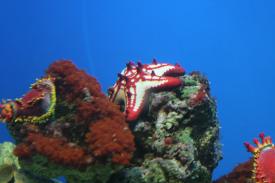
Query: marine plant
point(86, 130)
point(10, 169)
point(173, 136)
point(177, 136)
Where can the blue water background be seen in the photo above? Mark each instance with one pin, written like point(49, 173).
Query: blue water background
point(231, 42)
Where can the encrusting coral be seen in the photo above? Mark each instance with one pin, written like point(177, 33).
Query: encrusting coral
point(8, 162)
point(240, 174)
point(173, 137)
point(177, 136)
point(10, 170)
point(108, 133)
point(87, 129)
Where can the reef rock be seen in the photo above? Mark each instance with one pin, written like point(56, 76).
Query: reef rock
point(86, 140)
point(177, 137)
point(10, 170)
point(241, 174)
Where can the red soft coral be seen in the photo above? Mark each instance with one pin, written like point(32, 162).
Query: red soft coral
point(87, 127)
point(107, 138)
point(241, 174)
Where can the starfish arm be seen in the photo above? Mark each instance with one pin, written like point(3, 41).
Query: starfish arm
point(165, 69)
point(138, 94)
point(162, 83)
point(137, 80)
point(135, 102)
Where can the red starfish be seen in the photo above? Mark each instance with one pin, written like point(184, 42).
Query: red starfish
point(136, 81)
point(264, 159)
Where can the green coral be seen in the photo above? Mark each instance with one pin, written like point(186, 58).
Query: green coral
point(191, 86)
point(8, 162)
point(153, 173)
point(199, 174)
point(183, 136)
point(6, 155)
point(97, 173)
point(176, 143)
point(172, 120)
point(10, 170)
point(180, 141)
point(159, 170)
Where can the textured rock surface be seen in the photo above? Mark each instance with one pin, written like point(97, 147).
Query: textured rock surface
point(241, 174)
point(177, 137)
point(88, 140)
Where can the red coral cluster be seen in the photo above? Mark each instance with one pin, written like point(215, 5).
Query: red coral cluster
point(72, 81)
point(55, 149)
point(199, 96)
point(103, 132)
point(241, 174)
point(106, 138)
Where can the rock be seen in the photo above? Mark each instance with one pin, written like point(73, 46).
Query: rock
point(240, 174)
point(87, 139)
point(177, 138)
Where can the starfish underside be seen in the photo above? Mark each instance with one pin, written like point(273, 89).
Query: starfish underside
point(136, 81)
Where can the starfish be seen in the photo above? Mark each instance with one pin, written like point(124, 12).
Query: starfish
point(264, 159)
point(135, 82)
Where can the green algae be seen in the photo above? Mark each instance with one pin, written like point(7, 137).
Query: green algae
point(97, 173)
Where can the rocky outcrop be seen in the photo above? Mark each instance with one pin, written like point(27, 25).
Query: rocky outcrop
point(177, 137)
point(174, 140)
point(241, 174)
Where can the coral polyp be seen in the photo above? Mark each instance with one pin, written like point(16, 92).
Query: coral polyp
point(38, 105)
point(136, 81)
point(264, 159)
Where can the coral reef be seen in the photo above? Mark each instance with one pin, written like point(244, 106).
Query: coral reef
point(8, 162)
point(10, 170)
point(36, 106)
point(260, 169)
point(177, 137)
point(136, 81)
point(173, 139)
point(241, 174)
point(264, 159)
point(87, 139)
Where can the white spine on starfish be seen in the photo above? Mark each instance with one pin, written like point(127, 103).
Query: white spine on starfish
point(141, 88)
point(132, 97)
